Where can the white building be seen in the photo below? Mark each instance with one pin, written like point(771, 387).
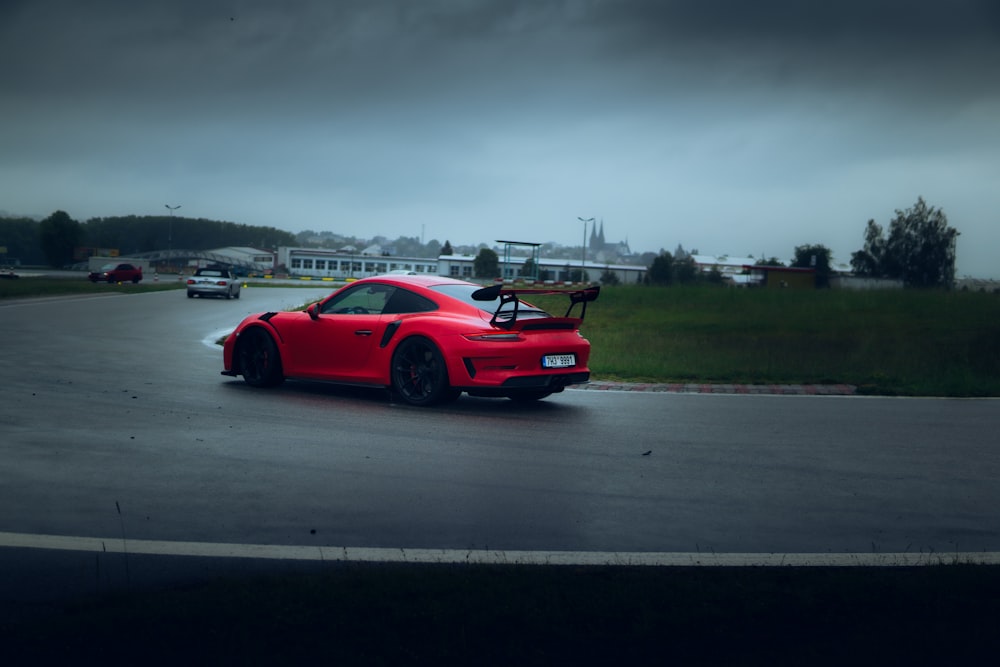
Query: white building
point(345, 263)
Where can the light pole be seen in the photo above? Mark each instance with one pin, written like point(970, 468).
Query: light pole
point(583, 255)
point(170, 227)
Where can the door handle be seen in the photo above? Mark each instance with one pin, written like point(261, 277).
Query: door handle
point(363, 332)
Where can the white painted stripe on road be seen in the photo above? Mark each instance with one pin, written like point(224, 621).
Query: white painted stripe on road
point(488, 557)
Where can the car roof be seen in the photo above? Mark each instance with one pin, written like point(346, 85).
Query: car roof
point(425, 281)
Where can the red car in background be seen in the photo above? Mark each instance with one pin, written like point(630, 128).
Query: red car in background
point(117, 273)
point(426, 338)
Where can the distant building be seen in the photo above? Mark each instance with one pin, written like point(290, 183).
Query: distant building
point(262, 261)
point(601, 250)
point(732, 269)
point(347, 263)
point(549, 270)
point(781, 277)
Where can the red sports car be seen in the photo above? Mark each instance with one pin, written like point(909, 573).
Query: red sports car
point(427, 338)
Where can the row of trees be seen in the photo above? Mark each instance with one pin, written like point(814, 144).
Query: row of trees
point(919, 251)
point(55, 239)
point(919, 248)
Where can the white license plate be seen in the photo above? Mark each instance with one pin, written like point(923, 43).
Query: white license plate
point(558, 360)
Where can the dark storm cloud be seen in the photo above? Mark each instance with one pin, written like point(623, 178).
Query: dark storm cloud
point(848, 44)
point(375, 114)
point(373, 49)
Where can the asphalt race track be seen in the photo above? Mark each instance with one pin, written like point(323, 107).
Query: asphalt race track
point(116, 427)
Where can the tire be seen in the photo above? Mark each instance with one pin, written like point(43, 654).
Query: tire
point(111, 279)
point(135, 280)
point(419, 375)
point(259, 361)
point(190, 295)
point(237, 295)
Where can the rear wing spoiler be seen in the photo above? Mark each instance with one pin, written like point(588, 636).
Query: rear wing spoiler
point(507, 295)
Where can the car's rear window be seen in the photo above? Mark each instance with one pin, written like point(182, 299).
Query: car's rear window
point(211, 273)
point(464, 293)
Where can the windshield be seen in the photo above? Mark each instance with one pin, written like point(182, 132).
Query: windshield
point(464, 293)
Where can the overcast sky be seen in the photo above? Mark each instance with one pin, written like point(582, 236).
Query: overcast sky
point(729, 126)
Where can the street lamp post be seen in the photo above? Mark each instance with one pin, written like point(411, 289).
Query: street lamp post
point(170, 227)
point(583, 255)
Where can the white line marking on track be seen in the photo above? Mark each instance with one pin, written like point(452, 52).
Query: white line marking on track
point(488, 557)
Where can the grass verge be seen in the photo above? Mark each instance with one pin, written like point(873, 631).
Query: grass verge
point(43, 287)
point(898, 342)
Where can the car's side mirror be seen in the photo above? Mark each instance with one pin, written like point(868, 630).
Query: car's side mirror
point(313, 311)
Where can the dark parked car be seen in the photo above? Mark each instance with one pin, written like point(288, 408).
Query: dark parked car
point(117, 273)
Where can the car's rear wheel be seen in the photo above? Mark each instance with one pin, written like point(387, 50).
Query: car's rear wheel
point(419, 374)
point(135, 280)
point(258, 357)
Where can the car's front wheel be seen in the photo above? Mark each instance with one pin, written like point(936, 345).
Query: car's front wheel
point(258, 358)
point(419, 374)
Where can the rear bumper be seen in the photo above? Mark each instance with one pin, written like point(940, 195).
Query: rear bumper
point(553, 383)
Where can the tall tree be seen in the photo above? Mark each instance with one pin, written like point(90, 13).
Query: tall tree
point(59, 234)
point(919, 249)
point(868, 261)
point(20, 237)
point(814, 257)
point(661, 270)
point(686, 270)
point(486, 264)
point(446, 249)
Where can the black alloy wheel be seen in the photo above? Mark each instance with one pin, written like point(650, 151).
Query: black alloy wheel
point(419, 374)
point(258, 358)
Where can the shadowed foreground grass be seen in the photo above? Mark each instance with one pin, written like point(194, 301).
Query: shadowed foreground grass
point(530, 615)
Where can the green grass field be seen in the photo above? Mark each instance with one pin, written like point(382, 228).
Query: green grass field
point(900, 342)
point(42, 287)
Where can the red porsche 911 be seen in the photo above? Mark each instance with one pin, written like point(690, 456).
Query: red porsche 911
point(427, 338)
